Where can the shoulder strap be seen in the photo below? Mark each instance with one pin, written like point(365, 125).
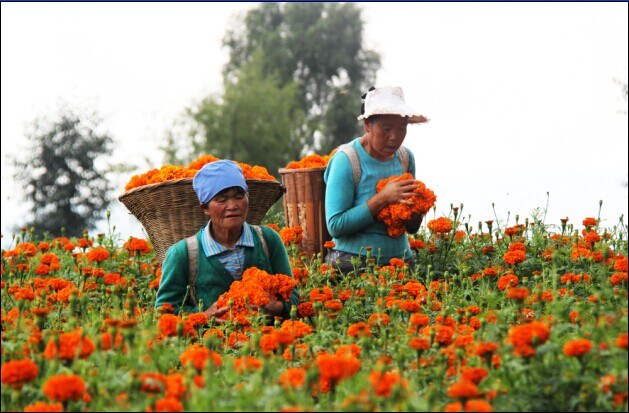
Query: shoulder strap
point(354, 162)
point(193, 263)
point(404, 158)
point(258, 229)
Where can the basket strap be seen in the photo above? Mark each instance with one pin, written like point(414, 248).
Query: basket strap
point(262, 239)
point(193, 258)
point(404, 158)
point(354, 162)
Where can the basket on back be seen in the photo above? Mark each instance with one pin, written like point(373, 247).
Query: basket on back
point(304, 206)
point(169, 210)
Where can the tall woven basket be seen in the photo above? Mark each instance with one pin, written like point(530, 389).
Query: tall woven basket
point(304, 206)
point(169, 210)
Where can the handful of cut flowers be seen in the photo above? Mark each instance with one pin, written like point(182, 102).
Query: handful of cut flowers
point(395, 216)
point(256, 288)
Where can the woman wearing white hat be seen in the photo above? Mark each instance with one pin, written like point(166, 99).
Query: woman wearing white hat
point(352, 203)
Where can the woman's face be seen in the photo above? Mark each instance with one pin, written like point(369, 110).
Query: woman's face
point(386, 134)
point(228, 209)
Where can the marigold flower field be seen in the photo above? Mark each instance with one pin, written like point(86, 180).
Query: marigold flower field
point(498, 316)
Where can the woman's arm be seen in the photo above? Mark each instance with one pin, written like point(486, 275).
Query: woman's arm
point(342, 217)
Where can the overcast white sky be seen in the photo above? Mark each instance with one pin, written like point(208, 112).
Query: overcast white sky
point(522, 96)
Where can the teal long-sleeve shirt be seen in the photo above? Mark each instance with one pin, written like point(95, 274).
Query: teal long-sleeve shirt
point(349, 220)
point(212, 277)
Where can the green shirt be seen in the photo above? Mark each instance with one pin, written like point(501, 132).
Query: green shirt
point(212, 277)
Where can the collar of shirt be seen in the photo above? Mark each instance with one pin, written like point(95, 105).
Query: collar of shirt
point(211, 247)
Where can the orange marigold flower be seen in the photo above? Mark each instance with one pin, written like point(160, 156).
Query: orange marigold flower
point(518, 293)
point(440, 334)
point(273, 226)
point(197, 319)
point(352, 349)
point(293, 377)
point(411, 306)
point(168, 404)
point(618, 278)
point(621, 341)
point(321, 294)
point(474, 374)
point(98, 254)
point(69, 346)
point(488, 249)
point(419, 319)
point(292, 235)
point(589, 222)
point(359, 329)
point(301, 351)
point(515, 230)
point(244, 364)
point(138, 245)
point(64, 387)
point(577, 348)
point(336, 368)
point(463, 389)
point(517, 246)
point(579, 252)
point(621, 264)
point(378, 319)
point(514, 257)
point(268, 343)
point(329, 244)
point(167, 324)
point(417, 244)
point(44, 407)
point(527, 336)
point(297, 328)
point(334, 305)
point(305, 309)
point(440, 225)
point(26, 248)
point(419, 344)
point(383, 383)
point(506, 281)
point(16, 373)
point(198, 356)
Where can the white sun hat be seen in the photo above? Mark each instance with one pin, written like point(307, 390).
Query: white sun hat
point(390, 101)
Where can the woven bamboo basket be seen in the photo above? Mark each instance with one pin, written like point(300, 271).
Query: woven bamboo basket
point(304, 206)
point(169, 210)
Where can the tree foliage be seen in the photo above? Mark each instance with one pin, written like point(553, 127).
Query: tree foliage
point(256, 121)
point(319, 46)
point(292, 86)
point(62, 180)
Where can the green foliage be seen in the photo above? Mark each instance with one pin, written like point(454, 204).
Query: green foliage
point(255, 116)
point(62, 178)
point(292, 86)
point(320, 47)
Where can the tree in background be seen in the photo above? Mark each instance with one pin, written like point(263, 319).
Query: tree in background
point(294, 78)
point(61, 176)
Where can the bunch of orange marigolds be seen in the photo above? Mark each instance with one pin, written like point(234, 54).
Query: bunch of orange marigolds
point(257, 288)
point(170, 172)
point(395, 216)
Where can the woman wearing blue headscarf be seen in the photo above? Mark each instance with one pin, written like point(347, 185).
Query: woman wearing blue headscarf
point(225, 248)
